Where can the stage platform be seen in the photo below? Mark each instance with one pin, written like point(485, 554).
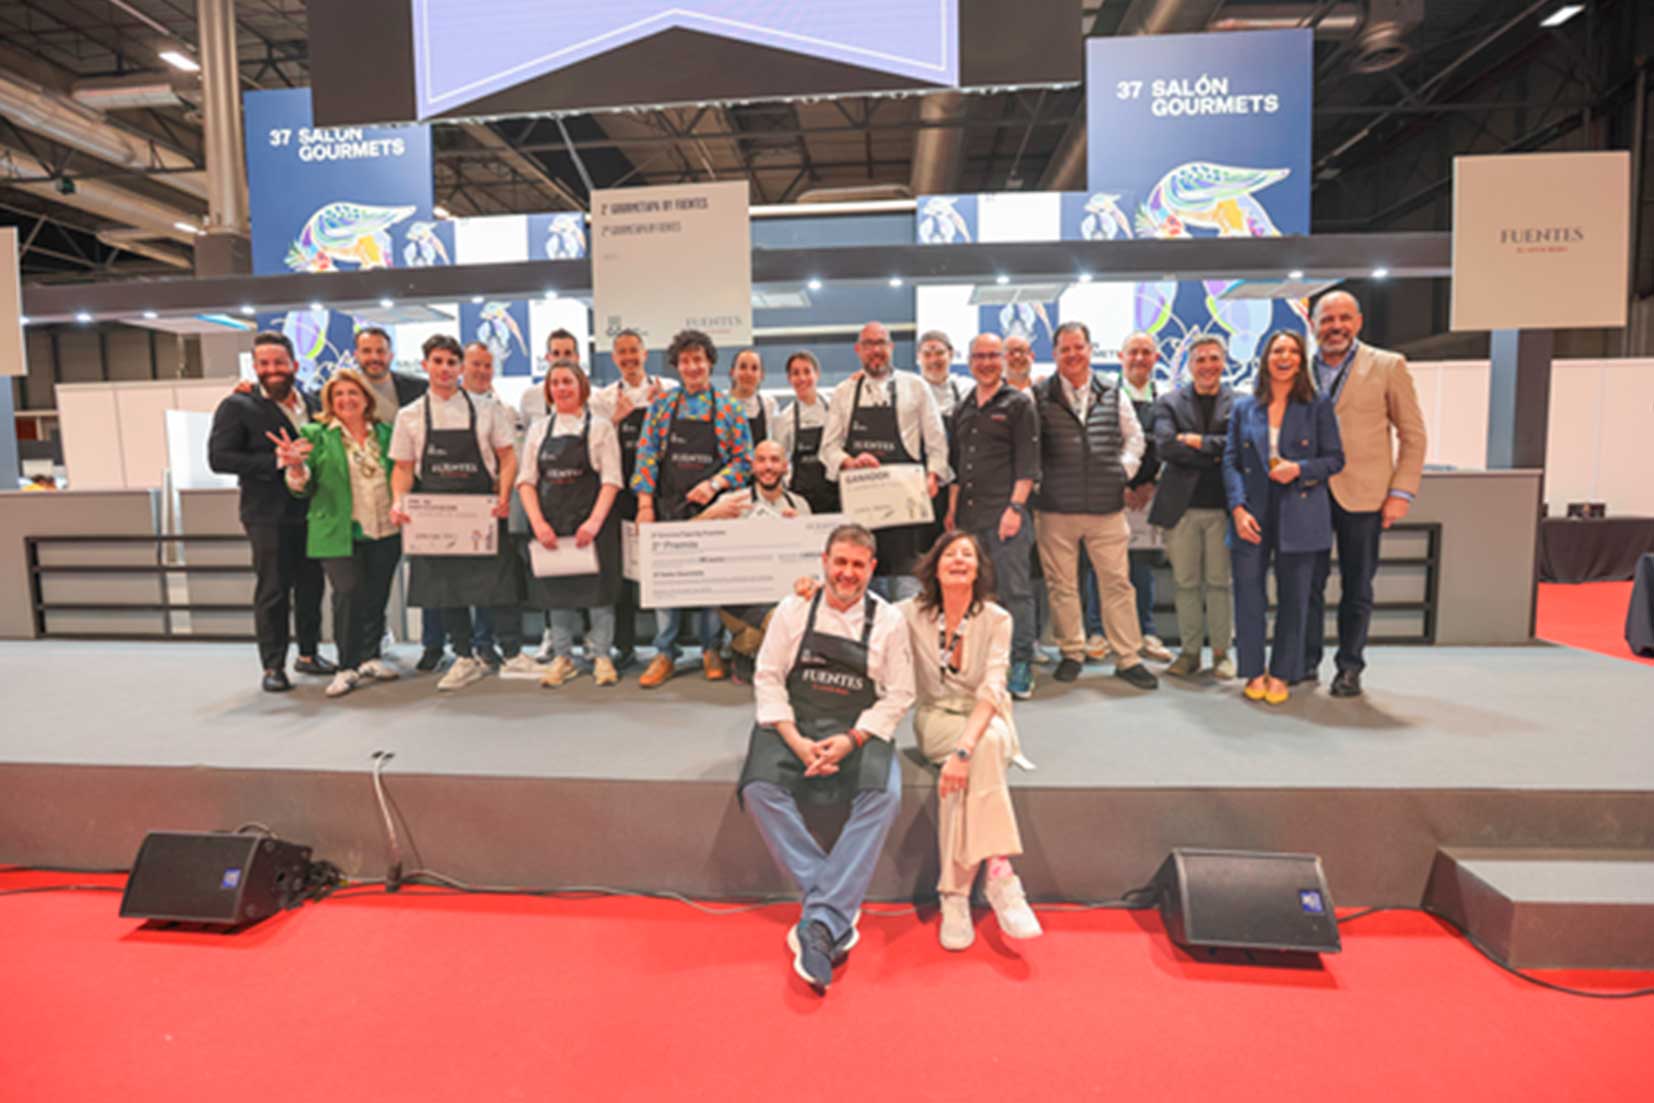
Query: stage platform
point(505, 782)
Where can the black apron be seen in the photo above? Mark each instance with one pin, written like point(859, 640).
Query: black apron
point(452, 463)
point(809, 475)
point(759, 425)
point(877, 431)
point(568, 488)
point(689, 456)
point(629, 429)
point(829, 688)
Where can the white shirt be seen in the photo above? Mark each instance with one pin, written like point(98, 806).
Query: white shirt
point(1131, 430)
point(602, 447)
point(756, 505)
point(808, 418)
point(916, 413)
point(749, 410)
point(533, 405)
point(889, 660)
point(298, 414)
point(496, 427)
point(605, 398)
point(946, 394)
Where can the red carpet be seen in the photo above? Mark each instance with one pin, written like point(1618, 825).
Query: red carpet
point(1587, 615)
point(420, 996)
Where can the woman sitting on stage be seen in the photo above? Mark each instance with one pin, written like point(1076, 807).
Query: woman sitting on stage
point(568, 480)
point(1283, 447)
point(341, 462)
point(961, 644)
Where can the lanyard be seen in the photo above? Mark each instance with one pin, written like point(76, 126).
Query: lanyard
point(948, 644)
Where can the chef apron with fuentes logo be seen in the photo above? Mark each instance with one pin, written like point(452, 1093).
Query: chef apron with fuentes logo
point(452, 463)
point(759, 425)
point(690, 456)
point(809, 475)
point(829, 688)
point(877, 431)
point(568, 488)
point(630, 430)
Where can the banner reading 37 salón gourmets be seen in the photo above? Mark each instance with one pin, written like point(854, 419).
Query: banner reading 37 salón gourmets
point(1203, 135)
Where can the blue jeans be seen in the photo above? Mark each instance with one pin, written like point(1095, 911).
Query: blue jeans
point(1293, 574)
point(433, 635)
point(1142, 580)
point(834, 883)
point(1013, 586)
point(1357, 535)
point(709, 629)
point(565, 628)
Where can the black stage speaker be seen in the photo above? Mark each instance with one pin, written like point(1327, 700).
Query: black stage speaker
point(1247, 900)
point(214, 878)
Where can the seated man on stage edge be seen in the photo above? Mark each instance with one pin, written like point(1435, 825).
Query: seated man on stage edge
point(768, 496)
point(834, 677)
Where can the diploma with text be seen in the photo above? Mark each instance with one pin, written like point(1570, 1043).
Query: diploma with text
point(882, 497)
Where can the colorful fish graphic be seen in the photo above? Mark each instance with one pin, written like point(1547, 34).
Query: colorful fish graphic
point(1104, 220)
point(346, 233)
point(424, 249)
point(1203, 195)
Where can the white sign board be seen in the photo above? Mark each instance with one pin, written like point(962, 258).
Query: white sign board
point(748, 562)
point(11, 305)
point(449, 524)
point(1541, 240)
point(671, 258)
point(885, 496)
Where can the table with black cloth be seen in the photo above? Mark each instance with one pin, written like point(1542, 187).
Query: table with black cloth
point(1639, 617)
point(1602, 549)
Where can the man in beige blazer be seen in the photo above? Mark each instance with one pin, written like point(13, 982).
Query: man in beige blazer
point(1383, 431)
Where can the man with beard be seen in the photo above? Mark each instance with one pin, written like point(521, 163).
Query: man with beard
point(1019, 362)
point(246, 429)
point(768, 496)
point(834, 678)
point(392, 390)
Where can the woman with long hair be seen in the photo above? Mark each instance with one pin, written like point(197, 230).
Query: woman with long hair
point(341, 462)
point(1283, 447)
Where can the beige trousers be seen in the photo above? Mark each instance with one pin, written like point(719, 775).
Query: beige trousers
point(1105, 537)
point(979, 823)
point(1200, 567)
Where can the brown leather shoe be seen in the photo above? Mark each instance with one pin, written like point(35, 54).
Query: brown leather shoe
point(660, 670)
point(713, 663)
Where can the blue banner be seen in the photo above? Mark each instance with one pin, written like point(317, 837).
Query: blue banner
point(503, 326)
point(1202, 135)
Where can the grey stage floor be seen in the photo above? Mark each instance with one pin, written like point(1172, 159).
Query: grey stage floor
point(1538, 717)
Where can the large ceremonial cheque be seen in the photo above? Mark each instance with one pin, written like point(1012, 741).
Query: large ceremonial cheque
point(885, 496)
point(746, 562)
point(450, 524)
point(672, 258)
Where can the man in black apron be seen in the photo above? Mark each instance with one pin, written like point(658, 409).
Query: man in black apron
point(626, 404)
point(695, 445)
point(834, 678)
point(442, 444)
point(878, 417)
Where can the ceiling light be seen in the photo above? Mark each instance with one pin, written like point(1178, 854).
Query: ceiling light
point(1002, 280)
point(23, 321)
point(1381, 273)
point(439, 211)
point(386, 304)
point(1085, 277)
point(180, 60)
point(315, 306)
point(814, 285)
point(150, 314)
point(895, 281)
point(1561, 15)
point(82, 317)
point(246, 309)
point(187, 227)
point(476, 298)
point(551, 294)
point(1295, 274)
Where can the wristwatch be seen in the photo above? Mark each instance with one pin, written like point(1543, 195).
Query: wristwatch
point(962, 754)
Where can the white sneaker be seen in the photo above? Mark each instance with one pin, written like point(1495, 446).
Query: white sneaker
point(1096, 649)
point(1156, 649)
point(957, 930)
point(466, 669)
point(521, 666)
point(379, 670)
point(1016, 918)
point(342, 683)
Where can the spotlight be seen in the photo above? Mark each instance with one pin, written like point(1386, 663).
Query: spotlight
point(551, 294)
point(151, 315)
point(1002, 280)
point(315, 307)
point(1085, 277)
point(386, 304)
point(895, 281)
point(1381, 273)
point(814, 285)
point(476, 298)
point(1295, 274)
point(1561, 15)
point(82, 317)
point(247, 310)
point(181, 61)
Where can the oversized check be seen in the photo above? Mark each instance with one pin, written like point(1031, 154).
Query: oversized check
point(563, 560)
point(880, 497)
point(449, 524)
point(628, 551)
point(747, 562)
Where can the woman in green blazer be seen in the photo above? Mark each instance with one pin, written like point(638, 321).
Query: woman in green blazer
point(342, 464)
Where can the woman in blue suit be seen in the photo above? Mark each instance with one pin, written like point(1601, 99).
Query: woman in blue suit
point(1283, 447)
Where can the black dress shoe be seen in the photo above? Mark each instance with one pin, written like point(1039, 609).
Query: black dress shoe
point(1139, 676)
point(1347, 683)
point(1067, 670)
point(315, 664)
point(430, 660)
point(275, 681)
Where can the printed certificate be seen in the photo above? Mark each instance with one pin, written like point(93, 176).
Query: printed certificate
point(449, 524)
point(882, 497)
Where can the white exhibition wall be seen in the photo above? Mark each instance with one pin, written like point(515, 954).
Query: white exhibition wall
point(1602, 413)
point(115, 434)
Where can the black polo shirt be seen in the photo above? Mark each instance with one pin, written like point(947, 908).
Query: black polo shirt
point(992, 446)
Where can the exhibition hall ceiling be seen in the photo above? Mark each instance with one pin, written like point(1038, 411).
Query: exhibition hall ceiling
point(101, 163)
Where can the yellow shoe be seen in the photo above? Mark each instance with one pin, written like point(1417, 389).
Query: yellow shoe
point(604, 672)
point(714, 666)
point(561, 670)
point(1257, 689)
point(660, 670)
point(1277, 694)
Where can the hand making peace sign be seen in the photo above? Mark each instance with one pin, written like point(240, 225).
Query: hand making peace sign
point(290, 451)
